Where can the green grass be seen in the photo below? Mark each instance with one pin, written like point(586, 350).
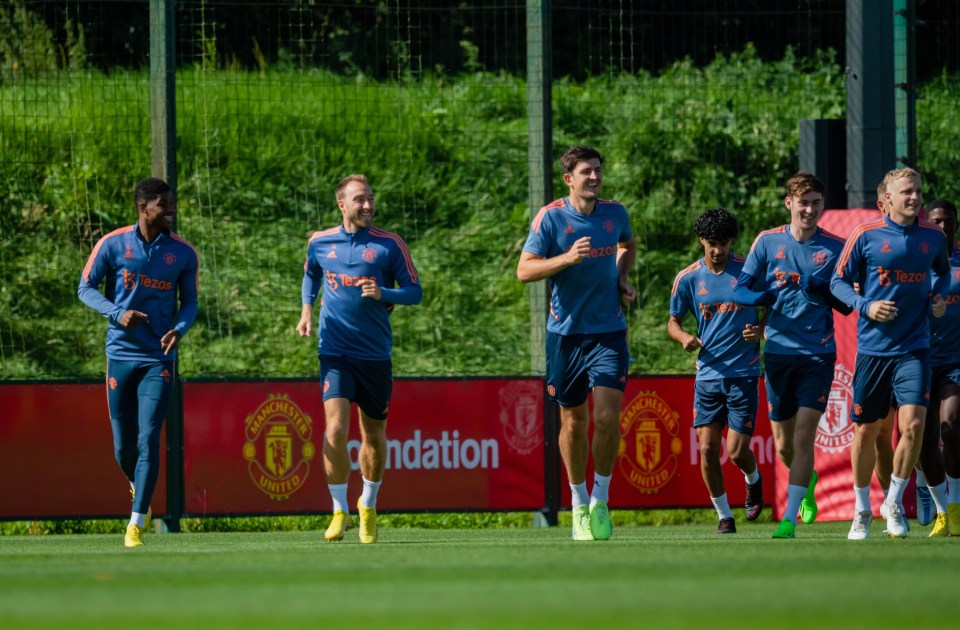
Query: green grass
point(669, 576)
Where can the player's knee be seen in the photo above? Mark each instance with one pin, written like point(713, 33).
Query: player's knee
point(709, 451)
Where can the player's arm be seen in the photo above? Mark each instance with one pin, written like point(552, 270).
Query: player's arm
point(626, 261)
point(97, 267)
point(408, 290)
point(816, 284)
point(309, 290)
point(678, 334)
point(941, 265)
point(187, 287)
point(744, 294)
point(846, 275)
point(533, 267)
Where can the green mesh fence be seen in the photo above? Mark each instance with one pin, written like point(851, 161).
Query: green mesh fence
point(693, 104)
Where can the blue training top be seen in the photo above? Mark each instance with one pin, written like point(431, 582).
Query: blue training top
point(720, 320)
point(945, 331)
point(351, 325)
point(892, 262)
point(584, 298)
point(144, 277)
point(800, 321)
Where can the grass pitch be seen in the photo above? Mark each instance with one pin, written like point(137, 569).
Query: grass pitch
point(666, 576)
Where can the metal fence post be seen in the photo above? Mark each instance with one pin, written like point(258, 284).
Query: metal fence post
point(539, 151)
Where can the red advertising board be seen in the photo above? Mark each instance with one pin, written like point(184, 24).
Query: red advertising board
point(56, 455)
point(256, 448)
point(658, 465)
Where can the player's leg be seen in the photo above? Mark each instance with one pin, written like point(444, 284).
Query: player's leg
point(155, 386)
point(709, 419)
point(950, 434)
point(339, 389)
point(872, 392)
point(742, 400)
point(815, 378)
point(567, 386)
point(931, 476)
point(606, 443)
point(122, 405)
point(883, 450)
point(373, 459)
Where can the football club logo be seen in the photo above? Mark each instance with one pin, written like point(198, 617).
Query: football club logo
point(369, 254)
point(924, 247)
point(519, 416)
point(112, 382)
point(608, 226)
point(835, 431)
point(819, 258)
point(649, 442)
point(278, 447)
point(169, 258)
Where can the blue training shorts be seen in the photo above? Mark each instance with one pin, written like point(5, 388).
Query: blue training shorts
point(795, 381)
point(578, 363)
point(730, 401)
point(367, 383)
point(904, 378)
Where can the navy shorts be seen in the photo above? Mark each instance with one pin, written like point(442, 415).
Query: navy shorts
point(730, 401)
point(797, 380)
point(944, 375)
point(367, 383)
point(578, 363)
point(877, 381)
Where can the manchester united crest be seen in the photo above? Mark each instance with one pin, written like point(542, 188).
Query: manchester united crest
point(278, 447)
point(835, 431)
point(650, 442)
point(520, 416)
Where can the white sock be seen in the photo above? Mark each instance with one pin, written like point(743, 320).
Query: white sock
point(953, 486)
point(368, 498)
point(752, 477)
point(863, 499)
point(137, 519)
point(897, 486)
point(795, 495)
point(939, 494)
point(338, 492)
point(722, 506)
point(921, 478)
point(601, 489)
point(578, 495)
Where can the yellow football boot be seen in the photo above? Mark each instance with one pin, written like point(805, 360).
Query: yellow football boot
point(339, 524)
point(939, 526)
point(953, 519)
point(368, 524)
point(133, 537)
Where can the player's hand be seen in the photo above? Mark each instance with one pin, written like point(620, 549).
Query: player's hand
point(169, 341)
point(882, 311)
point(938, 306)
point(369, 288)
point(628, 292)
point(752, 333)
point(579, 250)
point(305, 326)
point(692, 343)
point(132, 319)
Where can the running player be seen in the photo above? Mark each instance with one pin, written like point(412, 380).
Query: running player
point(363, 272)
point(891, 259)
point(728, 364)
point(146, 267)
point(791, 264)
point(585, 248)
point(944, 390)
